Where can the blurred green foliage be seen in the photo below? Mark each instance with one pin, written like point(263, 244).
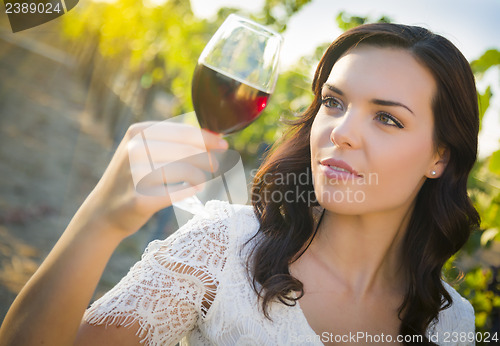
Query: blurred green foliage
point(153, 45)
point(158, 46)
point(346, 21)
point(481, 285)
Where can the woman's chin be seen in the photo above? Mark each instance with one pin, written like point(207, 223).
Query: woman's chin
point(342, 201)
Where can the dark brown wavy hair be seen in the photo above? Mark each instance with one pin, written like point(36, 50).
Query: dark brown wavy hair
point(443, 215)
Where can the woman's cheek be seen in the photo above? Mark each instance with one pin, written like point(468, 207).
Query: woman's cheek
point(401, 173)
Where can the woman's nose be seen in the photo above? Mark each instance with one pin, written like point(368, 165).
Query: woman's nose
point(346, 134)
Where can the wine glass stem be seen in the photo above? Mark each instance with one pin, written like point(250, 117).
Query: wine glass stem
point(224, 182)
point(227, 189)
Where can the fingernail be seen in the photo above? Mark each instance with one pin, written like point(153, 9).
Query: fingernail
point(212, 132)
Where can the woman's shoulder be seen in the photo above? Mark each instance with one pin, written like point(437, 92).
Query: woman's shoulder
point(460, 305)
point(457, 318)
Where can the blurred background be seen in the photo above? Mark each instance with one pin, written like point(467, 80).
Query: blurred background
point(70, 88)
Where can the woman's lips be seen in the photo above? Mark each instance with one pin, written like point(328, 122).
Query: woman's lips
point(335, 169)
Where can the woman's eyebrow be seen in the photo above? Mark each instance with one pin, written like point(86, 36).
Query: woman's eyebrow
point(390, 103)
point(334, 89)
point(374, 101)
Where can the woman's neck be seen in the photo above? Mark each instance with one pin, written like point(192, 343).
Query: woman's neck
point(363, 252)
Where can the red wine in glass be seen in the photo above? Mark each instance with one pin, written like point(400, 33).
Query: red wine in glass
point(222, 103)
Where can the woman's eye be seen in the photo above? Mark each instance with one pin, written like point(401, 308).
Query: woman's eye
point(331, 102)
point(389, 120)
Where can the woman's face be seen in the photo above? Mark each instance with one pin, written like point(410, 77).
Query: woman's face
point(372, 140)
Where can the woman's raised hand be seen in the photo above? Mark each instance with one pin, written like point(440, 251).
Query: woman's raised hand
point(48, 310)
point(150, 156)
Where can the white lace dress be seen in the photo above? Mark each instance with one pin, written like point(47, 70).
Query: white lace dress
point(202, 265)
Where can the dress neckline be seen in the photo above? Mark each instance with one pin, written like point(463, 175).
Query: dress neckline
point(300, 314)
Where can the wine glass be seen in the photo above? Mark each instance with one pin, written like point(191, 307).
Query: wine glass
point(236, 73)
point(233, 80)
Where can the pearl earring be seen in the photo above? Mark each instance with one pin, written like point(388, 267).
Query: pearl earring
point(433, 173)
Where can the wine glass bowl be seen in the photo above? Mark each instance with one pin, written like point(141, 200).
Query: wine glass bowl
point(235, 75)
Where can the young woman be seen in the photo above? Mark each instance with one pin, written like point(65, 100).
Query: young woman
point(351, 254)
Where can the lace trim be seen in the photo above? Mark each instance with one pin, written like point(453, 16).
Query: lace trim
point(174, 284)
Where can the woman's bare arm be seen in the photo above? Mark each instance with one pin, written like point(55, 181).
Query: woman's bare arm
point(50, 307)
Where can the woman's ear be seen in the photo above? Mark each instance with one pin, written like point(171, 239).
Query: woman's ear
point(440, 160)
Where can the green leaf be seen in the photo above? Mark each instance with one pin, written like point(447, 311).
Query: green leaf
point(490, 58)
point(484, 102)
point(346, 21)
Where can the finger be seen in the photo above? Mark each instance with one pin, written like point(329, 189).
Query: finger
point(159, 154)
point(183, 133)
point(213, 140)
point(183, 172)
point(140, 149)
point(170, 175)
point(158, 151)
point(206, 161)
